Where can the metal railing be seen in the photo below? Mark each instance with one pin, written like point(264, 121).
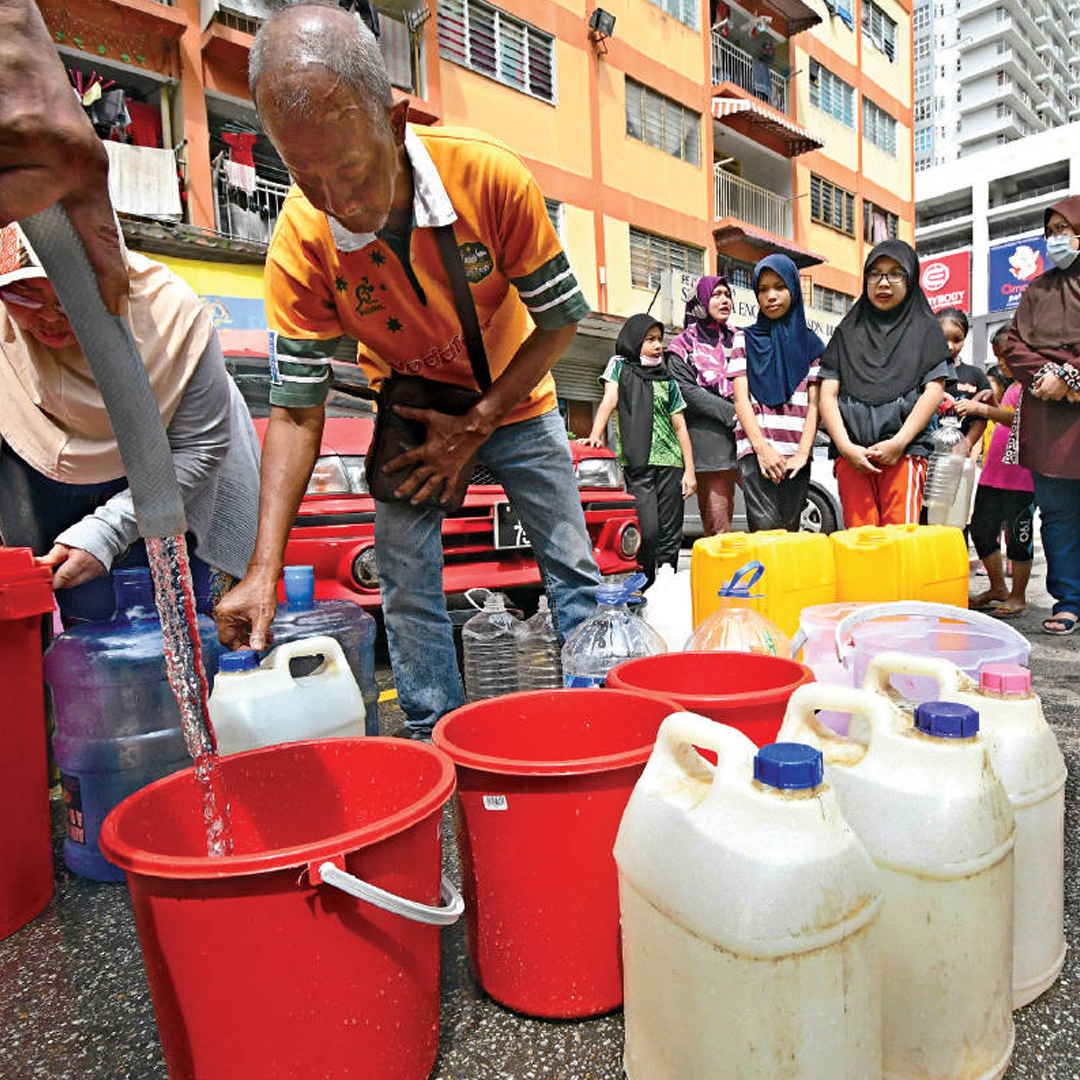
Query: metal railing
point(748, 202)
point(246, 215)
point(735, 65)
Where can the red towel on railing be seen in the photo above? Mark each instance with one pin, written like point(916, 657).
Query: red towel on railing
point(145, 126)
point(240, 144)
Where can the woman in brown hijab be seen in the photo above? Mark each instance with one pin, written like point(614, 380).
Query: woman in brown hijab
point(1043, 351)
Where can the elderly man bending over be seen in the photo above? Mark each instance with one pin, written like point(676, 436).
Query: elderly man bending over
point(355, 253)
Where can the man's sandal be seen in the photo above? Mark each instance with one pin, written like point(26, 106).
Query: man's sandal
point(1061, 624)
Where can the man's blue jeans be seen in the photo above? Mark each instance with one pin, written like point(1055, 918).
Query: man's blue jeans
point(1059, 508)
point(532, 461)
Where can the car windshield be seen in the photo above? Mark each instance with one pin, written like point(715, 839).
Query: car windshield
point(252, 377)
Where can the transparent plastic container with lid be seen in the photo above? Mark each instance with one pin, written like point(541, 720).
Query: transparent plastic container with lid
point(950, 477)
point(609, 636)
point(736, 626)
point(539, 652)
point(780, 979)
point(117, 721)
point(302, 616)
point(489, 641)
point(921, 794)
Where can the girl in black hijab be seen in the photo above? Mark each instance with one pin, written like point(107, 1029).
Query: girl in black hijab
point(883, 376)
point(651, 440)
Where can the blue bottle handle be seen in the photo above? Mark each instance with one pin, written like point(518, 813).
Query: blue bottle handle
point(753, 571)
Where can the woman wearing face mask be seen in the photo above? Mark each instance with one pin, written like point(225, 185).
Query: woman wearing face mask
point(699, 359)
point(1043, 352)
point(651, 440)
point(63, 492)
point(883, 376)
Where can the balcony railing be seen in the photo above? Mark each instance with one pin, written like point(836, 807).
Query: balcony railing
point(247, 215)
point(738, 198)
point(735, 65)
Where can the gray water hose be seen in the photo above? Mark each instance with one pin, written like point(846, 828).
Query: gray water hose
point(118, 370)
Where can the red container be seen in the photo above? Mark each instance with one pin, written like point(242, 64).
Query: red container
point(256, 972)
point(26, 869)
point(543, 779)
point(746, 690)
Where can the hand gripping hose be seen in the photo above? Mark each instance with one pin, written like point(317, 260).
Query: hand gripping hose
point(118, 370)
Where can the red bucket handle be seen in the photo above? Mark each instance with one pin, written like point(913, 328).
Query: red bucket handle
point(447, 913)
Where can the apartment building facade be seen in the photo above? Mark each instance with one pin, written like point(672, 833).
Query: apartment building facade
point(695, 135)
point(990, 72)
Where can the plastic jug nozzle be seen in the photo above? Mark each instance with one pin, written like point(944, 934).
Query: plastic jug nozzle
point(789, 766)
point(494, 602)
point(620, 592)
point(300, 587)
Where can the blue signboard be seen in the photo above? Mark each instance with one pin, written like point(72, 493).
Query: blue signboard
point(1013, 267)
point(236, 312)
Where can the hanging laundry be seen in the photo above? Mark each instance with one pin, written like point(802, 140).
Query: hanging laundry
point(240, 145)
point(145, 126)
point(240, 176)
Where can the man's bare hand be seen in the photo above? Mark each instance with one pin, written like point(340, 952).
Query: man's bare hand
point(49, 151)
point(245, 612)
point(72, 566)
point(441, 459)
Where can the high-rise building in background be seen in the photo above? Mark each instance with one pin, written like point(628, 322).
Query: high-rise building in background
point(670, 138)
point(989, 72)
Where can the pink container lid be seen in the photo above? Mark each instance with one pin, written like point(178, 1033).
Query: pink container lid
point(1005, 679)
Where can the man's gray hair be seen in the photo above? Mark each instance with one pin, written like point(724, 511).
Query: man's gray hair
point(306, 35)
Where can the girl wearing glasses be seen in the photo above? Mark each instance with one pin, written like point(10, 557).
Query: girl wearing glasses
point(63, 492)
point(883, 376)
point(1043, 352)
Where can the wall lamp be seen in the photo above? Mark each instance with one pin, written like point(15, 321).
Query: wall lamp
point(601, 27)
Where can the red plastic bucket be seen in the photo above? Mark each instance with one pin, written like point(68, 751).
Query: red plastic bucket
point(749, 691)
point(254, 969)
point(26, 868)
point(543, 779)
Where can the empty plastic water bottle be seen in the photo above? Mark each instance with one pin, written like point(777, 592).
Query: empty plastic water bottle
point(950, 477)
point(489, 641)
point(539, 662)
point(609, 637)
point(302, 616)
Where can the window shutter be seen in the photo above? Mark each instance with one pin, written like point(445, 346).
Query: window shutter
point(482, 39)
point(654, 118)
point(541, 65)
point(452, 31)
point(691, 137)
point(635, 109)
point(672, 128)
point(512, 53)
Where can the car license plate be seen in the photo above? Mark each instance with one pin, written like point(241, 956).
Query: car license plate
point(509, 532)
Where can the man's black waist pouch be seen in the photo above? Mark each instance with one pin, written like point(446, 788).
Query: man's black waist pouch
point(396, 435)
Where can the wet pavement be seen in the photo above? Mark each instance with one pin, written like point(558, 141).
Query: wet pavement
point(74, 1001)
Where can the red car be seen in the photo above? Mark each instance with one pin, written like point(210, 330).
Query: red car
point(483, 542)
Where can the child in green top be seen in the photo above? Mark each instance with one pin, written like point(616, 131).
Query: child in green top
point(652, 442)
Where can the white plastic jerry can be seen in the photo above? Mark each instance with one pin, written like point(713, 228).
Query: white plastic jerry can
point(1028, 762)
point(748, 917)
point(925, 801)
point(255, 704)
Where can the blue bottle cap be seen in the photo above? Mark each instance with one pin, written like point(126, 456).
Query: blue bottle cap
point(300, 586)
point(241, 660)
point(947, 719)
point(789, 765)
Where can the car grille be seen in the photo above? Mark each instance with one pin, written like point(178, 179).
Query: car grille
point(481, 474)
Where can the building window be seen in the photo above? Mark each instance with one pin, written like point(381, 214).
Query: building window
point(923, 109)
point(686, 11)
point(663, 123)
point(924, 139)
point(879, 127)
point(878, 224)
point(922, 81)
point(832, 301)
point(485, 39)
point(831, 94)
point(879, 29)
point(650, 255)
point(922, 49)
point(555, 214)
point(831, 205)
point(920, 19)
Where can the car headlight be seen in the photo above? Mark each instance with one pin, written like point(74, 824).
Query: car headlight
point(599, 472)
point(334, 475)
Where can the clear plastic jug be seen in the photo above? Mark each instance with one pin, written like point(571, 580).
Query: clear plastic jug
point(539, 658)
point(950, 478)
point(748, 915)
point(927, 805)
point(257, 704)
point(302, 616)
point(967, 639)
point(117, 721)
point(609, 636)
point(489, 641)
point(1029, 763)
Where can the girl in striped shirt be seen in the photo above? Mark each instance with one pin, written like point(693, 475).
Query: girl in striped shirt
point(776, 391)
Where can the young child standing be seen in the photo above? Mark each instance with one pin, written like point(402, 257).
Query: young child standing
point(776, 392)
point(883, 376)
point(1005, 498)
point(651, 440)
point(966, 381)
